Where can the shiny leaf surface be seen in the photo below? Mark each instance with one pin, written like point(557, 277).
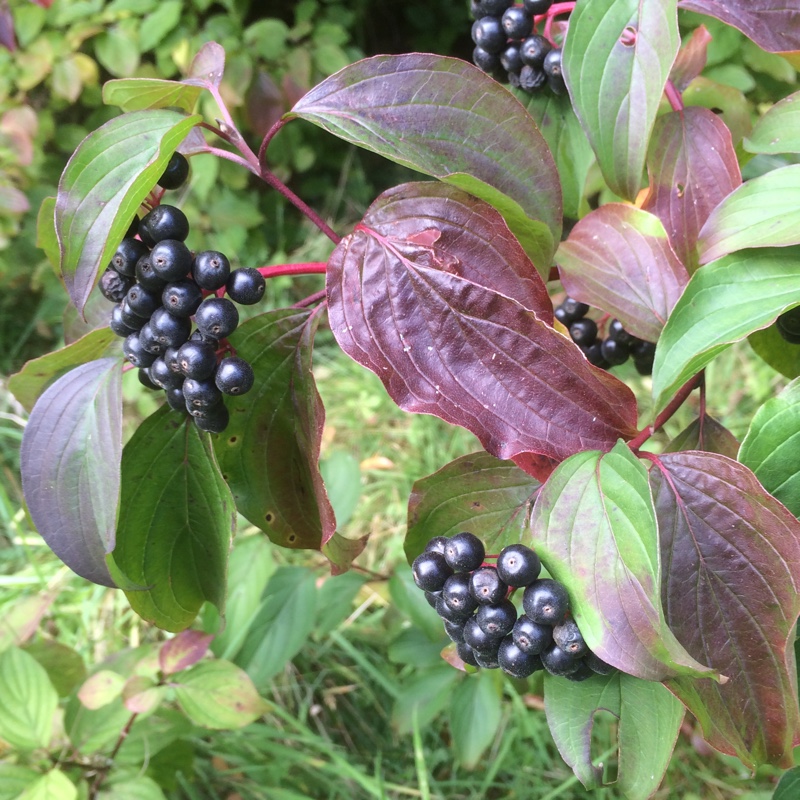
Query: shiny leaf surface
point(778, 131)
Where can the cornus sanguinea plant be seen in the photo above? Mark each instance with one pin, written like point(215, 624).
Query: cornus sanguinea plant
point(677, 563)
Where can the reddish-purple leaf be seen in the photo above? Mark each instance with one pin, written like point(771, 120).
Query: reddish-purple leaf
point(773, 25)
point(619, 259)
point(691, 60)
point(705, 433)
point(692, 166)
point(207, 66)
point(184, 651)
point(7, 37)
point(432, 294)
point(731, 572)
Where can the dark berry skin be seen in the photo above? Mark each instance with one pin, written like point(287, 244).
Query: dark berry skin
point(534, 49)
point(495, 7)
point(245, 286)
point(135, 353)
point(486, 586)
point(518, 565)
point(169, 330)
point(143, 373)
point(614, 352)
point(552, 66)
point(594, 354)
point(181, 298)
point(517, 23)
point(644, 354)
point(114, 286)
point(211, 269)
point(176, 400)
point(451, 614)
point(455, 631)
point(558, 662)
point(149, 342)
point(478, 639)
point(196, 360)
point(171, 360)
point(545, 601)
point(176, 173)
point(510, 59)
point(456, 593)
point(200, 395)
point(568, 637)
point(485, 60)
point(163, 222)
point(117, 324)
point(537, 7)
point(581, 674)
point(146, 275)
point(163, 376)
point(571, 310)
point(596, 664)
point(171, 260)
point(530, 636)
point(128, 253)
point(788, 325)
point(464, 552)
point(141, 301)
point(618, 333)
point(436, 545)
point(234, 376)
point(129, 318)
point(583, 331)
point(531, 78)
point(486, 660)
point(488, 33)
point(466, 654)
point(217, 317)
point(432, 597)
point(430, 571)
point(515, 662)
point(497, 620)
point(215, 421)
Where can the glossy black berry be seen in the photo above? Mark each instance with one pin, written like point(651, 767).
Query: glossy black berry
point(143, 373)
point(211, 269)
point(545, 601)
point(552, 66)
point(199, 336)
point(487, 587)
point(163, 222)
point(594, 354)
point(200, 395)
point(464, 552)
point(234, 376)
point(181, 298)
point(169, 330)
point(510, 59)
point(149, 342)
point(596, 664)
point(534, 49)
point(488, 62)
point(176, 400)
point(127, 316)
point(245, 286)
point(617, 332)
point(518, 565)
point(531, 79)
point(456, 593)
point(117, 323)
point(568, 637)
point(466, 654)
point(113, 285)
point(788, 325)
point(488, 33)
point(451, 614)
point(454, 631)
point(176, 173)
point(516, 662)
point(497, 619)
point(486, 660)
point(163, 376)
point(171, 359)
point(215, 420)
point(147, 276)
point(196, 360)
point(583, 331)
point(217, 317)
point(432, 597)
point(614, 352)
point(517, 22)
point(135, 353)
point(430, 571)
point(558, 662)
point(583, 673)
point(171, 260)
point(530, 636)
point(571, 310)
point(478, 639)
point(141, 301)
point(436, 544)
point(128, 253)
point(537, 7)
point(495, 7)
point(644, 354)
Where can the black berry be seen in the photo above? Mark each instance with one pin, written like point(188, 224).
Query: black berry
point(217, 317)
point(466, 654)
point(210, 269)
point(478, 639)
point(200, 395)
point(596, 664)
point(568, 637)
point(487, 587)
point(215, 420)
point(176, 173)
point(128, 253)
point(456, 593)
point(518, 565)
point(510, 59)
point(182, 298)
point(451, 614)
point(135, 353)
point(117, 323)
point(234, 376)
point(176, 400)
point(788, 325)
point(149, 342)
point(196, 360)
point(430, 571)
point(516, 662)
point(552, 66)
point(571, 310)
point(531, 78)
point(530, 636)
point(146, 380)
point(495, 7)
point(163, 376)
point(436, 545)
point(171, 260)
point(533, 51)
point(488, 33)
point(537, 7)
point(141, 301)
point(614, 352)
point(485, 60)
point(497, 619)
point(618, 333)
point(147, 276)
point(558, 662)
point(163, 222)
point(517, 22)
point(169, 330)
point(545, 601)
point(583, 331)
point(113, 285)
point(245, 286)
point(464, 552)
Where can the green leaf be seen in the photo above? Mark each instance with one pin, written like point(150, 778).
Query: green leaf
point(159, 23)
point(596, 509)
point(28, 701)
point(39, 373)
point(46, 238)
point(440, 116)
point(342, 475)
point(763, 212)
point(425, 697)
point(788, 787)
point(714, 96)
point(771, 445)
point(282, 625)
point(724, 302)
point(69, 461)
point(22, 619)
point(91, 731)
point(63, 665)
point(336, 596)
point(134, 94)
point(778, 131)
point(649, 721)
point(143, 788)
point(411, 602)
point(475, 715)
point(116, 50)
point(54, 785)
point(269, 453)
point(771, 346)
point(341, 552)
point(175, 522)
point(100, 689)
point(14, 780)
point(103, 185)
point(616, 87)
point(218, 695)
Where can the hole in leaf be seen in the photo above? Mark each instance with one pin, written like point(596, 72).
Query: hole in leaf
point(681, 189)
point(628, 36)
point(292, 537)
point(233, 440)
point(268, 517)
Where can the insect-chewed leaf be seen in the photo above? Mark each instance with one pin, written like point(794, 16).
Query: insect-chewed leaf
point(778, 131)
point(616, 62)
point(447, 118)
point(649, 721)
point(723, 302)
point(269, 453)
point(175, 522)
point(771, 446)
point(619, 258)
point(433, 294)
point(595, 510)
point(477, 492)
point(773, 25)
point(739, 550)
point(70, 469)
point(761, 213)
point(692, 166)
point(102, 186)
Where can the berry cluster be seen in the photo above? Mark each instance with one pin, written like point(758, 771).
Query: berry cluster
point(159, 285)
point(474, 600)
point(788, 325)
point(506, 41)
point(612, 351)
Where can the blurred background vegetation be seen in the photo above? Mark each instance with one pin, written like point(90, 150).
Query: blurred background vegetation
point(361, 703)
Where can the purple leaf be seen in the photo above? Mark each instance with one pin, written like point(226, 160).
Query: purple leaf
point(773, 25)
point(619, 259)
point(184, 651)
point(705, 433)
point(70, 464)
point(731, 571)
point(207, 66)
point(691, 59)
point(692, 166)
point(432, 294)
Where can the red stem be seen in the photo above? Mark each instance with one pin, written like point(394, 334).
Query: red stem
point(550, 15)
point(268, 137)
point(674, 96)
point(311, 299)
point(309, 268)
point(674, 404)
